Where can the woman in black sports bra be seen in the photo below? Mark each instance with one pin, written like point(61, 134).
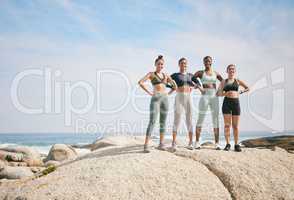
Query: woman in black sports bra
point(159, 100)
point(229, 88)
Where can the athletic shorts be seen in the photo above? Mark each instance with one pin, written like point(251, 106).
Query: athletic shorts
point(231, 106)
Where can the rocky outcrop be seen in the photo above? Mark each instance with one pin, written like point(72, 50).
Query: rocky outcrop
point(123, 171)
point(250, 174)
point(285, 142)
point(21, 154)
point(61, 152)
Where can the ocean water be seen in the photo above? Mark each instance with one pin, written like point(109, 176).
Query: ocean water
point(42, 142)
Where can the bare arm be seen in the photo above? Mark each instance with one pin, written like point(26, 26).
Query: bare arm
point(142, 81)
point(199, 74)
point(244, 85)
point(173, 83)
point(220, 91)
point(219, 77)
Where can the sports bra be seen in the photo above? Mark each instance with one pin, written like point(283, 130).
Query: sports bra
point(231, 86)
point(155, 80)
point(208, 79)
point(184, 79)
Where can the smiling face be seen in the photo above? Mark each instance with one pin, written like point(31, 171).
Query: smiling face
point(207, 61)
point(231, 70)
point(159, 65)
point(183, 65)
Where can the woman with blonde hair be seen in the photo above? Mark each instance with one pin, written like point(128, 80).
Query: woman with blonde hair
point(230, 89)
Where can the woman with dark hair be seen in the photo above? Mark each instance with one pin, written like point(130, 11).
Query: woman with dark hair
point(159, 100)
point(183, 103)
point(209, 99)
point(229, 88)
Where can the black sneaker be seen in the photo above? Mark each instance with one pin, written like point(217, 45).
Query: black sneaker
point(238, 148)
point(227, 147)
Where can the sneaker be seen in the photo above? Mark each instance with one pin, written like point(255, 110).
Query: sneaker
point(217, 146)
point(197, 145)
point(227, 147)
point(173, 147)
point(146, 149)
point(190, 146)
point(161, 147)
point(237, 148)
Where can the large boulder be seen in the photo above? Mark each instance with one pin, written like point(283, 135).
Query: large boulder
point(22, 154)
point(9, 172)
point(284, 141)
point(117, 141)
point(61, 152)
point(125, 173)
point(250, 174)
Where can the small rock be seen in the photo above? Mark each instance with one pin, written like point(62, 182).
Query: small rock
point(117, 141)
point(17, 164)
point(284, 141)
point(207, 144)
point(52, 162)
point(2, 165)
point(20, 198)
point(36, 169)
point(9, 172)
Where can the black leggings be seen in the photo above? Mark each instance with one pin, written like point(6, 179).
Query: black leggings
point(231, 106)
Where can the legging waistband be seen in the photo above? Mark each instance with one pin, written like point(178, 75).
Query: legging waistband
point(231, 99)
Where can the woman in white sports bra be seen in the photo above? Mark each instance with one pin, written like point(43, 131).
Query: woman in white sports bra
point(209, 99)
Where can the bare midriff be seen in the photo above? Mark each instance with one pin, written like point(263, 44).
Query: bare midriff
point(159, 88)
point(232, 94)
point(184, 89)
point(209, 85)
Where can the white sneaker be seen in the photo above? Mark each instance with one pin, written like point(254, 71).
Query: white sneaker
point(190, 146)
point(197, 145)
point(161, 147)
point(173, 147)
point(217, 146)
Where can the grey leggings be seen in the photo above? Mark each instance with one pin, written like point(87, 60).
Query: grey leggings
point(183, 104)
point(209, 99)
point(158, 105)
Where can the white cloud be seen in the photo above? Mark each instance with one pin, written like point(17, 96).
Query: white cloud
point(254, 57)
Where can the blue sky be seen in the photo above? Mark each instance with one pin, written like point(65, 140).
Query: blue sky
point(79, 37)
point(129, 21)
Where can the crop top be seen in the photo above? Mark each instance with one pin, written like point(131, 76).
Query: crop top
point(208, 79)
point(231, 86)
point(184, 79)
point(157, 80)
